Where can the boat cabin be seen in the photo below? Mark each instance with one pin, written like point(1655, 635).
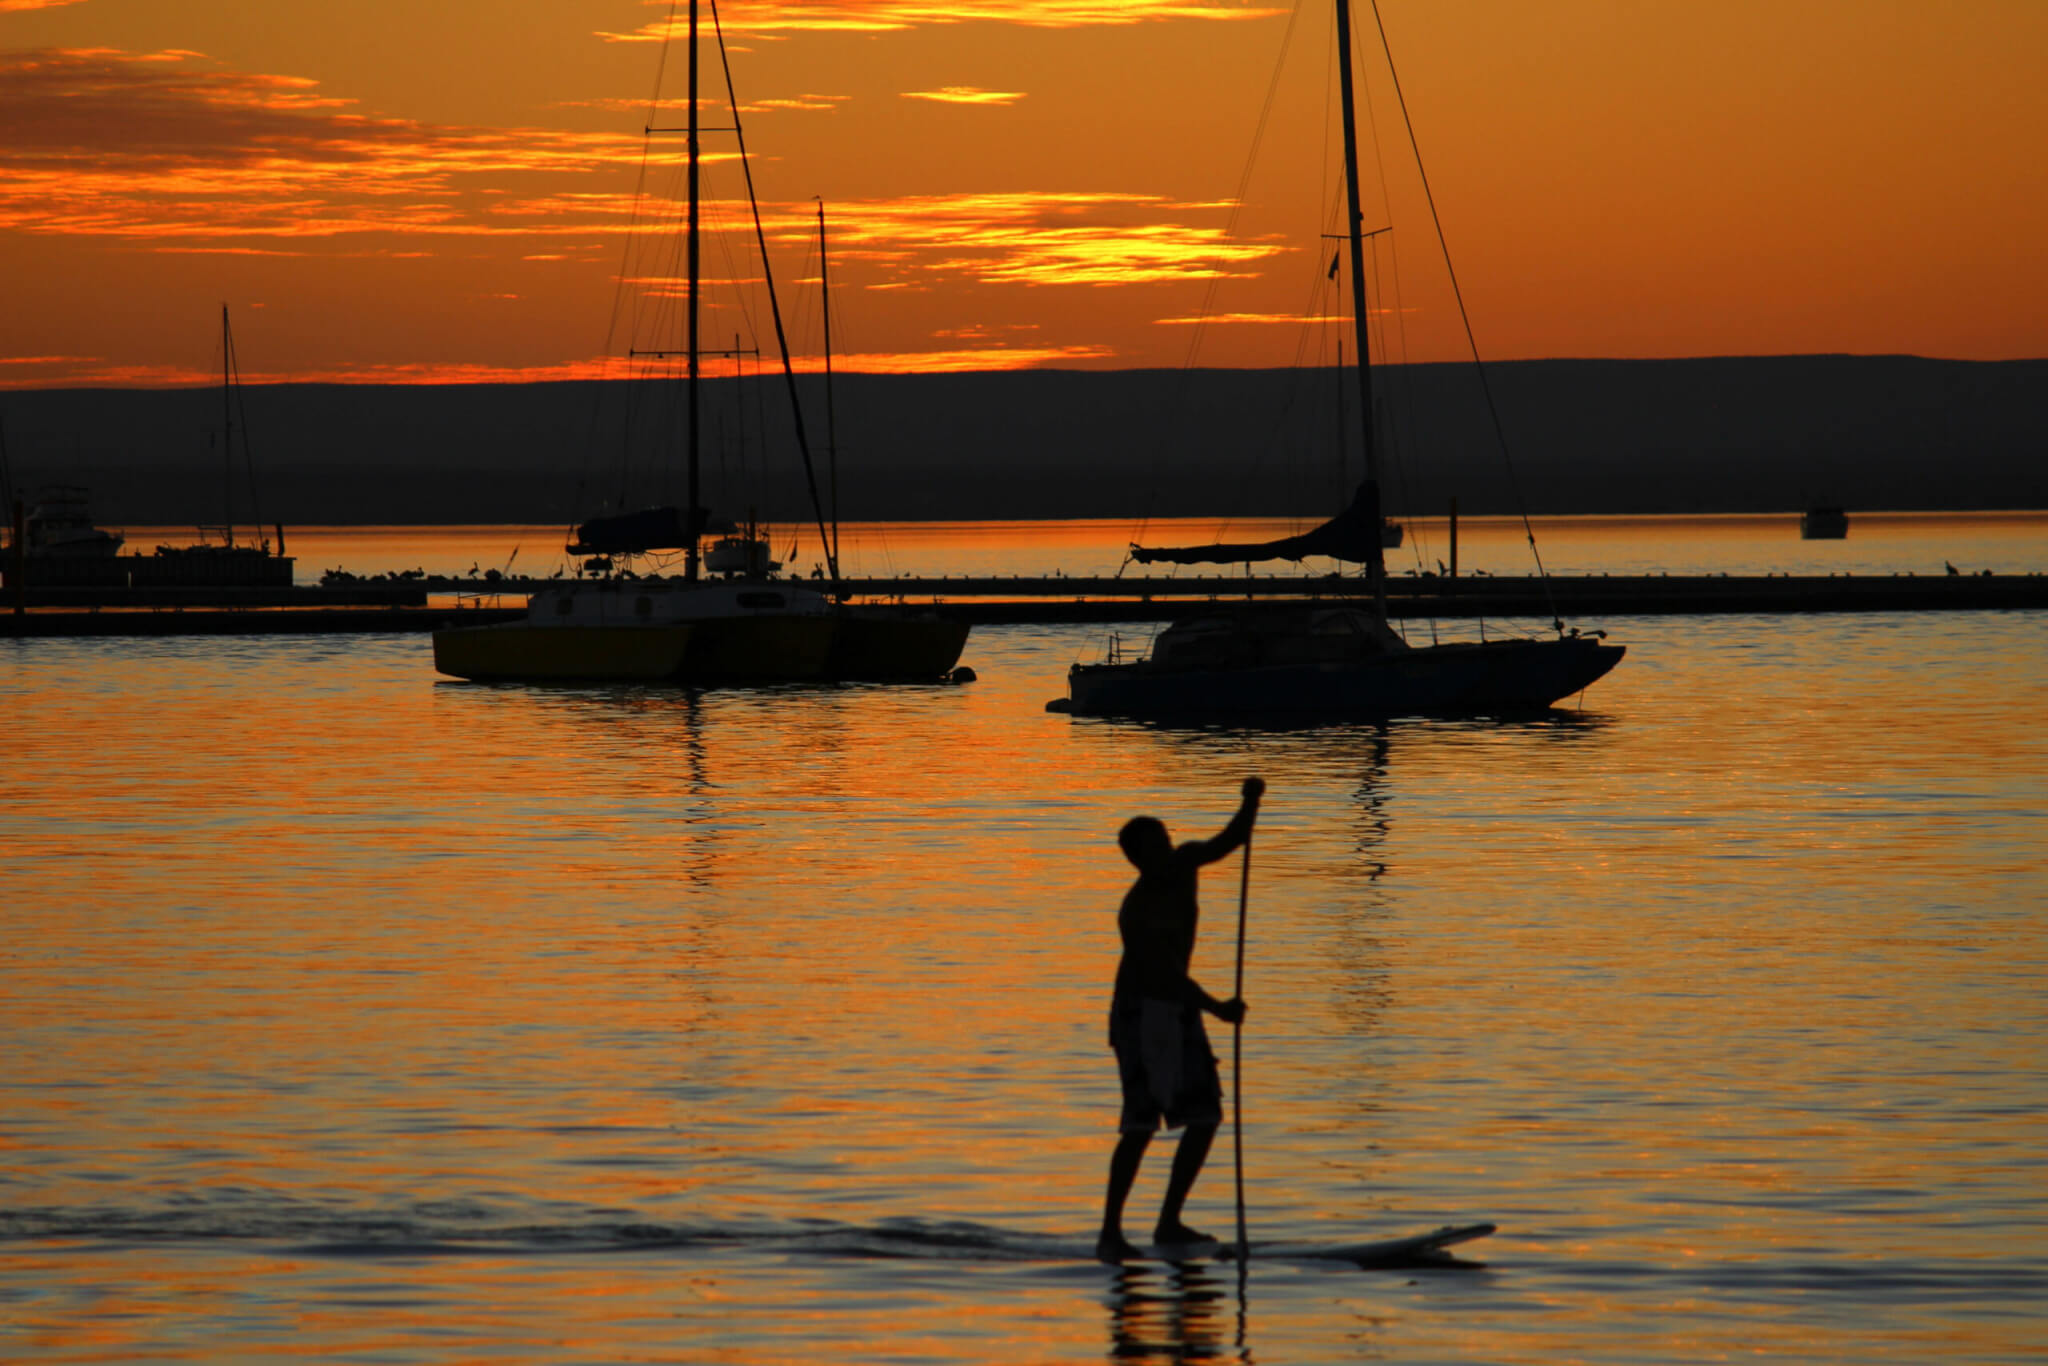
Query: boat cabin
point(1255, 637)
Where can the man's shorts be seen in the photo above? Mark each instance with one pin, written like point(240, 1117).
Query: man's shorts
point(1166, 1065)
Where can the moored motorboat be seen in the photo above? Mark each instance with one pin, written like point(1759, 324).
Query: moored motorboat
point(59, 526)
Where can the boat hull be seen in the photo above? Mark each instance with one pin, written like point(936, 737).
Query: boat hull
point(884, 645)
point(520, 652)
point(650, 631)
point(1460, 679)
point(758, 649)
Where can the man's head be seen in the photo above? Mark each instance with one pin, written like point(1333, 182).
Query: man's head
point(1144, 841)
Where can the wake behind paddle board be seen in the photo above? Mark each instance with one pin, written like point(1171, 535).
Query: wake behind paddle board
point(1420, 1249)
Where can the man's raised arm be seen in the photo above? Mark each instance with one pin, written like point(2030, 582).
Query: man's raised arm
point(1234, 834)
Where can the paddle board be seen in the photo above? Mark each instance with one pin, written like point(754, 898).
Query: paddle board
point(1420, 1249)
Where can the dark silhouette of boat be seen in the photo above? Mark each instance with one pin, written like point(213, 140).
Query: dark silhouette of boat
point(743, 627)
point(1330, 659)
point(59, 526)
point(1823, 524)
point(63, 548)
point(219, 558)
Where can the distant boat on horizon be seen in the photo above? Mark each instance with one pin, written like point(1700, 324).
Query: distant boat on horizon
point(1823, 524)
point(63, 548)
point(250, 562)
point(59, 525)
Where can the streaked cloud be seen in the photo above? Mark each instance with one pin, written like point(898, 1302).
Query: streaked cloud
point(24, 363)
point(87, 372)
point(806, 102)
point(1287, 319)
point(1225, 319)
point(616, 105)
point(798, 103)
point(8, 6)
point(965, 94)
point(763, 17)
point(169, 146)
point(170, 151)
point(1040, 239)
point(983, 332)
point(1034, 239)
point(964, 359)
point(95, 371)
point(940, 360)
point(922, 241)
point(247, 251)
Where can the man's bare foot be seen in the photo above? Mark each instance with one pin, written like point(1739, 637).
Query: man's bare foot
point(1112, 1248)
point(1178, 1234)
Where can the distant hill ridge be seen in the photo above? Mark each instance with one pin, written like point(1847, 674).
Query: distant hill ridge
point(1587, 436)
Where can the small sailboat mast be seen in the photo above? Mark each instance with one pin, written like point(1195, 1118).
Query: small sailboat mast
point(692, 249)
point(1355, 533)
point(831, 429)
point(1315, 658)
point(227, 430)
point(1369, 490)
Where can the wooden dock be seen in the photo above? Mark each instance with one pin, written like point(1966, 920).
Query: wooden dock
point(425, 604)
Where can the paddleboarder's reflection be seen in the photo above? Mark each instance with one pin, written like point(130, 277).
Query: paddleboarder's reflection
point(1180, 1311)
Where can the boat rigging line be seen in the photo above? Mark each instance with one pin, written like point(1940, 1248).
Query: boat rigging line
point(629, 277)
point(1207, 307)
point(233, 405)
point(774, 306)
point(621, 285)
point(1465, 318)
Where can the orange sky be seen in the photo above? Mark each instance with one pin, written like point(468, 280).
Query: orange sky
point(392, 190)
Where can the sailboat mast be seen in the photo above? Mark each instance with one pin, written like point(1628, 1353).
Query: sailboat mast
point(690, 553)
point(6, 467)
point(227, 430)
point(1343, 464)
point(831, 430)
point(1376, 567)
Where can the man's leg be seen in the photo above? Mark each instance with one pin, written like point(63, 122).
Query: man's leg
point(1123, 1170)
point(1187, 1165)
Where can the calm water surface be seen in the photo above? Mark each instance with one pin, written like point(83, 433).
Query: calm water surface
point(352, 1014)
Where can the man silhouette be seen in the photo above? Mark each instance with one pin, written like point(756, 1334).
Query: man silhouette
point(1163, 1056)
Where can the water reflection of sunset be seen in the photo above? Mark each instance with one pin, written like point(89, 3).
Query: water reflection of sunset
point(338, 1005)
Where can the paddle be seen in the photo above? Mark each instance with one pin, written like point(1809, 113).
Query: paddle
point(1244, 891)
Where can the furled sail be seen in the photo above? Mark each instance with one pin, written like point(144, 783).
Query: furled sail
point(636, 533)
point(1353, 534)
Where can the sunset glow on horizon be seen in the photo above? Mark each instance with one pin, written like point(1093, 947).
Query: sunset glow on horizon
point(386, 195)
